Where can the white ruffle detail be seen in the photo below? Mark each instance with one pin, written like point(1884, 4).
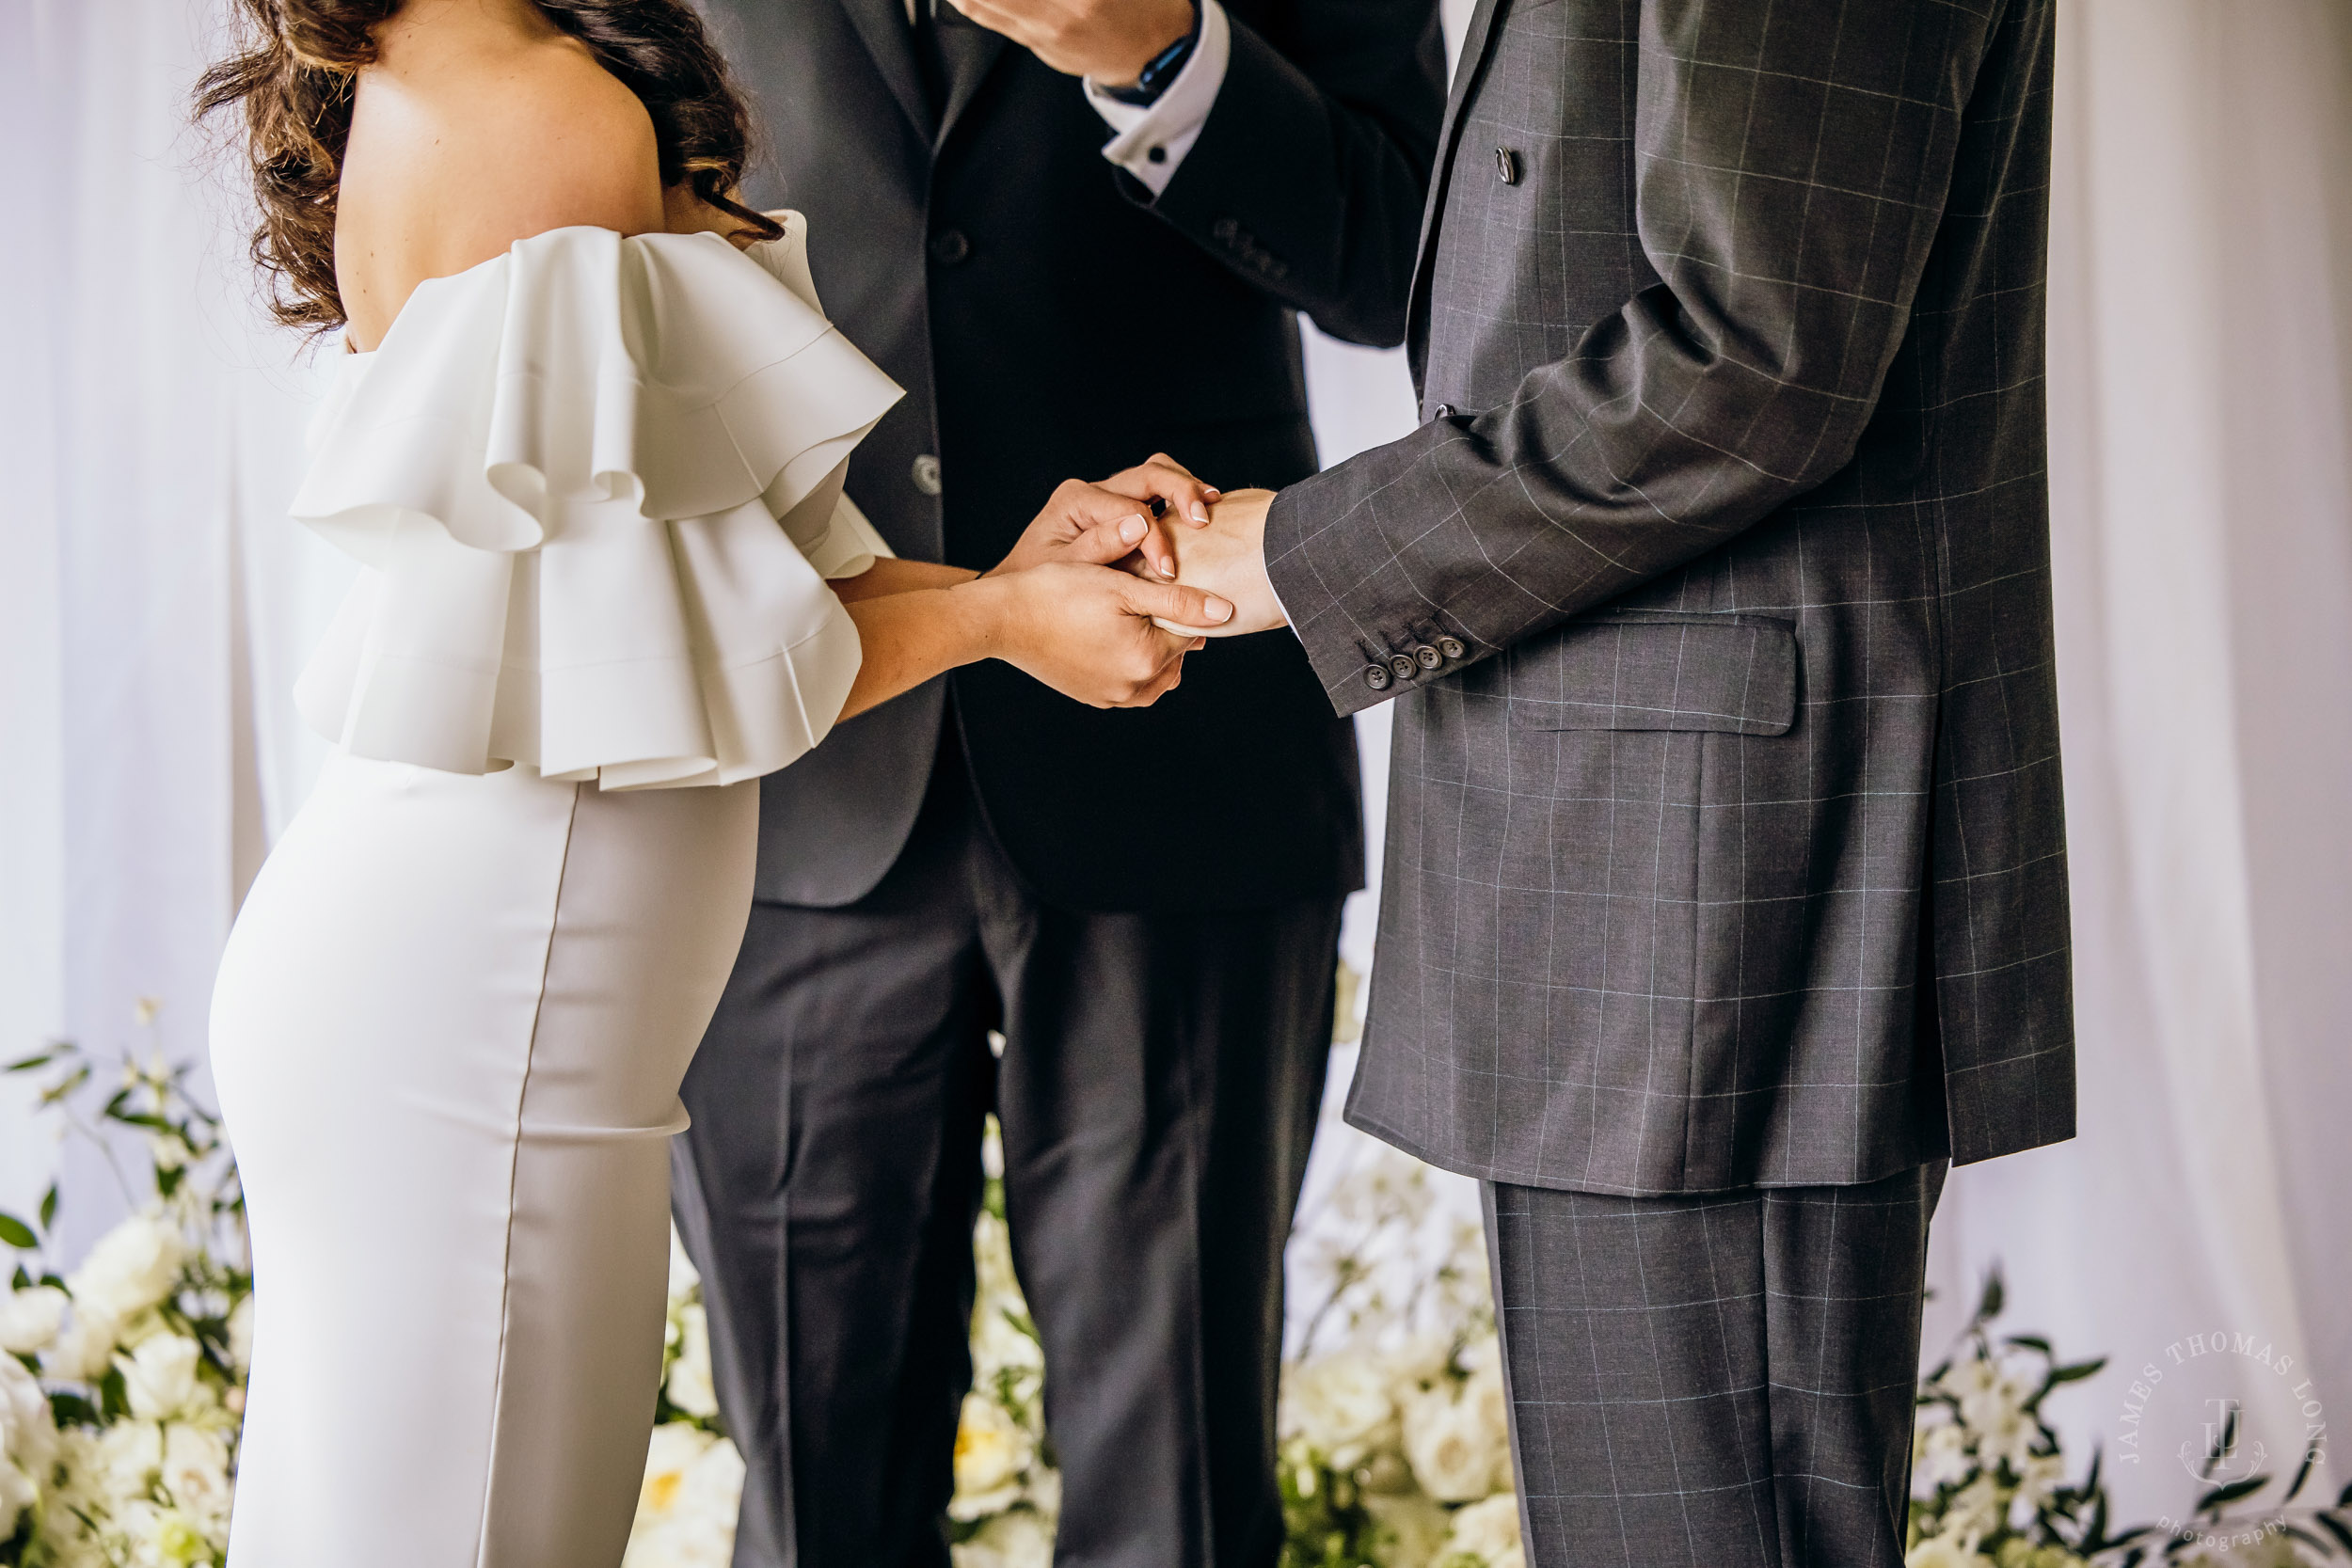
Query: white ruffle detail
point(599, 481)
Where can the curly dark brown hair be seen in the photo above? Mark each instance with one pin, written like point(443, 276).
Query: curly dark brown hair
point(294, 75)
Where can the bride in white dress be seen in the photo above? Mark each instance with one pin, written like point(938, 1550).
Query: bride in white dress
point(589, 437)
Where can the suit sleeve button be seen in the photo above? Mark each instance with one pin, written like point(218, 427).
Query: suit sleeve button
point(1451, 647)
point(950, 248)
point(1377, 678)
point(1427, 656)
point(1403, 664)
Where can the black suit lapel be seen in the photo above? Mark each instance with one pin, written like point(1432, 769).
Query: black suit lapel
point(977, 50)
point(882, 25)
point(1474, 41)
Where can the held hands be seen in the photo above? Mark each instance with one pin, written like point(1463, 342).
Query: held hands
point(1225, 556)
point(1109, 40)
point(1055, 610)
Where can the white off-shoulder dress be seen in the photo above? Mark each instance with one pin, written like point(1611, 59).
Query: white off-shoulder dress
point(597, 480)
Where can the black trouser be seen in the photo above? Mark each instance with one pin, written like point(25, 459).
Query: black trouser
point(1722, 1381)
point(1158, 1093)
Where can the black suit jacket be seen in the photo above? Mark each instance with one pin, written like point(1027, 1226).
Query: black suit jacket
point(1048, 320)
point(1726, 844)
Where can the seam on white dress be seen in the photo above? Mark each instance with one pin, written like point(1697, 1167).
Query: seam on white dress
point(513, 1166)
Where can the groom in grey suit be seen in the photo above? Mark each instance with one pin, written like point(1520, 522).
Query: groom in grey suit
point(1725, 900)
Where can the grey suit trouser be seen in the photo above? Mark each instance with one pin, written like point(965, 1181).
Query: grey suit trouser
point(1720, 1381)
point(1158, 1094)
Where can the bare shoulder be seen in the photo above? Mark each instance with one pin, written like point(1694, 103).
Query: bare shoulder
point(461, 145)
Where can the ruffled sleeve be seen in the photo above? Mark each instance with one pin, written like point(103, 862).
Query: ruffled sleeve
point(599, 481)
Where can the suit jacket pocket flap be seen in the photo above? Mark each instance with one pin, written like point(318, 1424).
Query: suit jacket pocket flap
point(1732, 673)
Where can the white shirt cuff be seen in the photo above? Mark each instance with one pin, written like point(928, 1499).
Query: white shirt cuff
point(1150, 143)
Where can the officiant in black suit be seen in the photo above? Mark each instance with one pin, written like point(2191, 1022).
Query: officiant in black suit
point(1075, 235)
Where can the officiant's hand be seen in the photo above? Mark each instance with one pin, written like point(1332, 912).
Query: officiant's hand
point(1111, 41)
point(1098, 525)
point(1227, 558)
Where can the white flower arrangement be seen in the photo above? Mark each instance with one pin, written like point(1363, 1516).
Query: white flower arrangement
point(122, 1387)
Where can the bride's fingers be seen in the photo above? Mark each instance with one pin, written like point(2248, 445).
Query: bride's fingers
point(1191, 611)
point(1164, 479)
point(1114, 539)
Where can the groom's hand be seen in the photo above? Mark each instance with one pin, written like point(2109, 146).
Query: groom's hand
point(1227, 558)
point(1098, 525)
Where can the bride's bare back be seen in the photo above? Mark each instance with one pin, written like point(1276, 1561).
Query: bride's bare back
point(481, 123)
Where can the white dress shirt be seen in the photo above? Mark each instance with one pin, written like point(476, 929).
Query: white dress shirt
point(1151, 141)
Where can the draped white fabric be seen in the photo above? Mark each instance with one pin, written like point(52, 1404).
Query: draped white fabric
point(156, 604)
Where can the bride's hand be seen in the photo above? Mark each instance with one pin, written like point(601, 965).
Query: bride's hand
point(1089, 632)
point(1098, 525)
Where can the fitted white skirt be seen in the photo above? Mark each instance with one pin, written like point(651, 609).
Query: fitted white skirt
point(448, 1037)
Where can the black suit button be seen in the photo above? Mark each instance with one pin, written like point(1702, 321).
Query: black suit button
point(1377, 678)
point(949, 248)
point(1403, 664)
point(1451, 647)
point(1506, 165)
point(1427, 656)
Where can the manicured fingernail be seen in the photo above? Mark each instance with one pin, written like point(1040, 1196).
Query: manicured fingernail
point(1199, 512)
point(1213, 492)
point(1133, 529)
point(1219, 611)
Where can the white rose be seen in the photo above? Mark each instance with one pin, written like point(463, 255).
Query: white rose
point(127, 1458)
point(28, 1442)
point(1017, 1540)
point(160, 1377)
point(132, 1268)
point(670, 1456)
point(195, 1473)
point(84, 1350)
point(1340, 1405)
point(690, 1384)
point(1452, 1446)
point(1485, 1530)
point(29, 1320)
point(1416, 1524)
point(998, 1345)
point(1943, 1552)
point(1943, 1453)
point(992, 1453)
point(241, 1336)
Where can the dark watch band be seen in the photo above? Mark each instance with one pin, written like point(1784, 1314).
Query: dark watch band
point(1163, 68)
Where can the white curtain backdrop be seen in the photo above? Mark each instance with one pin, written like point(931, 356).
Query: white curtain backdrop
point(154, 605)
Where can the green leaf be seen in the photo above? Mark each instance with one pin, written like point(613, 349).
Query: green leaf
point(17, 1233)
point(23, 1280)
point(2076, 1373)
point(28, 1063)
point(2031, 1341)
point(49, 1206)
point(2310, 1457)
point(2335, 1527)
point(2221, 1497)
point(72, 1410)
point(1989, 1305)
point(113, 1398)
point(2344, 1498)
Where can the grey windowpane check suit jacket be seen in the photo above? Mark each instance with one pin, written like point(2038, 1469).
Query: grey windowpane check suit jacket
point(1726, 843)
